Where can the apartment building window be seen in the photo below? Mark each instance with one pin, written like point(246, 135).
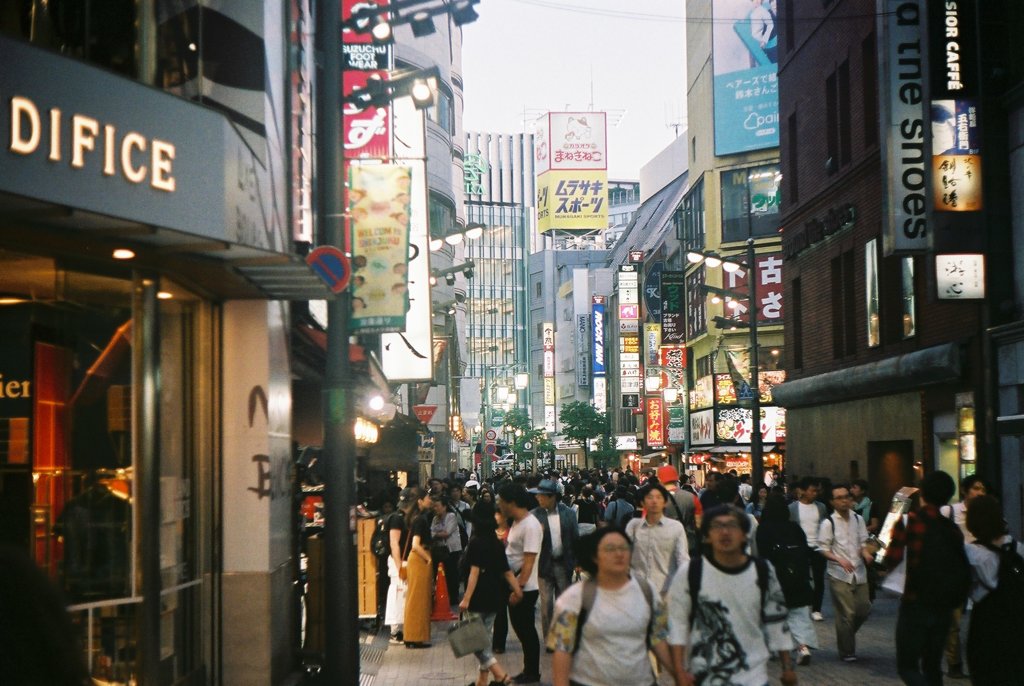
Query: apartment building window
point(792, 153)
point(908, 299)
point(692, 218)
point(844, 341)
point(796, 322)
point(750, 202)
point(869, 76)
point(538, 289)
point(442, 216)
point(441, 111)
point(871, 293)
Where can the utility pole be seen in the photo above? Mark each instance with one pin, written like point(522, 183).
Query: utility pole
point(341, 625)
point(756, 443)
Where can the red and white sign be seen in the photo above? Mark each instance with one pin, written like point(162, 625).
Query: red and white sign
point(424, 413)
point(655, 422)
point(768, 290)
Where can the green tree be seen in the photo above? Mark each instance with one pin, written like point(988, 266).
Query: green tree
point(517, 422)
point(580, 422)
point(606, 454)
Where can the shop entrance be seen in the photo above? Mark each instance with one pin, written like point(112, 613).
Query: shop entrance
point(890, 468)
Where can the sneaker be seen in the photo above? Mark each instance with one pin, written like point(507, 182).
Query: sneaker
point(524, 678)
point(850, 658)
point(803, 656)
point(817, 616)
point(396, 639)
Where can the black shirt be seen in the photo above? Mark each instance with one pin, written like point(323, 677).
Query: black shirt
point(421, 528)
point(491, 592)
point(396, 520)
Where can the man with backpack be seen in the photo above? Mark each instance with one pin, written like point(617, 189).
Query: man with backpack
point(683, 506)
point(841, 539)
point(619, 510)
point(937, 580)
point(727, 612)
point(809, 513)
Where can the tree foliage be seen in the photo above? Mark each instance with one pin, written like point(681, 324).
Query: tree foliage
point(580, 422)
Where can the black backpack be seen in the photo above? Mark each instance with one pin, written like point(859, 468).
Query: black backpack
point(993, 649)
point(380, 542)
point(943, 574)
point(792, 568)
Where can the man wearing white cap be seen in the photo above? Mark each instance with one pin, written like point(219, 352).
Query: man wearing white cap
point(556, 563)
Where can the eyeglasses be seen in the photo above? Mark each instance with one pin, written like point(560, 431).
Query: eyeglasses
point(724, 526)
point(614, 548)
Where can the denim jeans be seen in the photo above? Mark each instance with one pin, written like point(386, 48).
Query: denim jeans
point(920, 637)
point(485, 657)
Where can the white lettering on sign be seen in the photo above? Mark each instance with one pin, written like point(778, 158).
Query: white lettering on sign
point(128, 151)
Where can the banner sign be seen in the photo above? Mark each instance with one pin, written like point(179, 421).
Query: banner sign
point(676, 424)
point(702, 428)
point(652, 290)
point(572, 201)
point(549, 419)
point(746, 87)
point(598, 317)
point(673, 313)
point(702, 394)
point(768, 290)
point(572, 140)
point(900, 32)
point(960, 277)
point(600, 394)
point(672, 359)
point(379, 207)
point(655, 422)
point(405, 356)
point(652, 345)
point(424, 413)
point(734, 425)
point(697, 305)
point(583, 350)
point(548, 343)
point(956, 135)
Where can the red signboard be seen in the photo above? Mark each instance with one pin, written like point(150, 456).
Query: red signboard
point(767, 290)
point(655, 422)
point(424, 413)
point(673, 366)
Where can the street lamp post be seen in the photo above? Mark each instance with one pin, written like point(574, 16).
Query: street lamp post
point(729, 265)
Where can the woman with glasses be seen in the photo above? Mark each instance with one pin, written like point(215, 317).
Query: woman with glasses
point(611, 614)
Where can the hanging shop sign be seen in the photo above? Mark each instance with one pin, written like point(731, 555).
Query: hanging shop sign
point(655, 412)
point(734, 425)
point(767, 290)
point(379, 207)
point(652, 344)
point(673, 313)
point(702, 428)
point(652, 290)
point(676, 424)
point(901, 87)
point(597, 313)
point(960, 277)
point(583, 350)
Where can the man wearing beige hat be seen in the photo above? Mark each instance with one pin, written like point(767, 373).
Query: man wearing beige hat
point(556, 563)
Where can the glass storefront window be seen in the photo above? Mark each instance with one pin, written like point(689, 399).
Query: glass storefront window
point(68, 472)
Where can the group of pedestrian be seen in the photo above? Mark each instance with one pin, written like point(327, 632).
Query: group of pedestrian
point(707, 582)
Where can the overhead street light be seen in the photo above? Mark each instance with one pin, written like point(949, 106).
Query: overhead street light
point(372, 19)
point(729, 265)
point(472, 231)
point(419, 84)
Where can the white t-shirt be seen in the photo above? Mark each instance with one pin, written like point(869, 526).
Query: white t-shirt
point(555, 527)
point(525, 536)
point(810, 520)
point(728, 630)
point(985, 567)
point(613, 649)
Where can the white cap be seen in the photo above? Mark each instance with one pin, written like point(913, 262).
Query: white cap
point(472, 483)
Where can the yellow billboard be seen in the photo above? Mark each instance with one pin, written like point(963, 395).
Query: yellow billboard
point(572, 200)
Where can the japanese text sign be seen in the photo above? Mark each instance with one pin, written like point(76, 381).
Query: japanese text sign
point(767, 290)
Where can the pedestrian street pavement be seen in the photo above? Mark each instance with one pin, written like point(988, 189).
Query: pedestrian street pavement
point(391, 665)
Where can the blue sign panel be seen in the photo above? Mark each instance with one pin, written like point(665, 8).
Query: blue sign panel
point(746, 87)
point(598, 318)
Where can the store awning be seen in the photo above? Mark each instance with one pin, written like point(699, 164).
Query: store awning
point(397, 447)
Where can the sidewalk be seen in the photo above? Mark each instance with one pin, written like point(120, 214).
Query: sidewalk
point(436, 666)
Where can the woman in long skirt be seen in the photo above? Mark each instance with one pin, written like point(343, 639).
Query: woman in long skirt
point(418, 577)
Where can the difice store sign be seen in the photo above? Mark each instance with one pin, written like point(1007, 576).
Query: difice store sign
point(87, 144)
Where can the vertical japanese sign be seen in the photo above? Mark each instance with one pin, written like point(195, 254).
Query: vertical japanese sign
point(697, 306)
point(583, 350)
point(652, 344)
point(655, 422)
point(673, 309)
point(629, 335)
point(746, 87)
point(548, 343)
point(901, 110)
point(572, 171)
point(365, 133)
point(598, 319)
point(956, 136)
point(767, 290)
point(405, 356)
point(379, 207)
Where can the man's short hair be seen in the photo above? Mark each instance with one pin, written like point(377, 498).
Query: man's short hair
point(862, 484)
point(937, 488)
point(653, 486)
point(807, 482)
point(844, 486)
point(515, 493)
point(724, 511)
point(968, 482)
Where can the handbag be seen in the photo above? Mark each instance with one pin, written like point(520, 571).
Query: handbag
point(468, 636)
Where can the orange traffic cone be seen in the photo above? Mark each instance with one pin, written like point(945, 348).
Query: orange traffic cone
point(442, 607)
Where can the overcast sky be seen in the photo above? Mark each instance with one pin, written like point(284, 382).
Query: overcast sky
point(525, 57)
